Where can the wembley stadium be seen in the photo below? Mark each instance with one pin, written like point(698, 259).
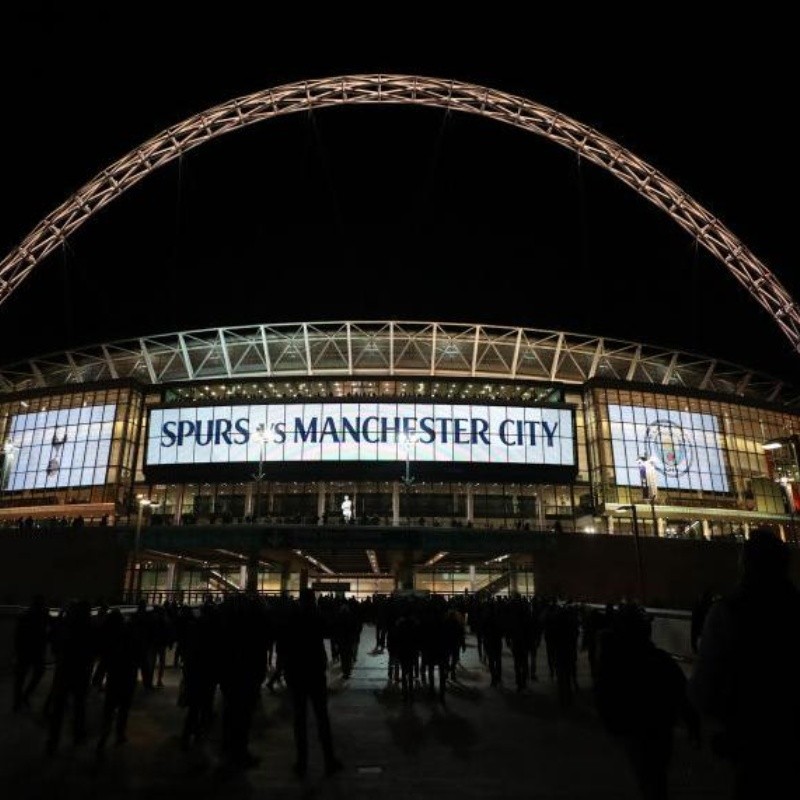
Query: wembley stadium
point(442, 428)
point(363, 456)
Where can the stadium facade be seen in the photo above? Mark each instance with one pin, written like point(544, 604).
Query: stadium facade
point(418, 424)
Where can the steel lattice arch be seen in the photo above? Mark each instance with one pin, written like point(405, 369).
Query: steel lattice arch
point(390, 348)
point(513, 110)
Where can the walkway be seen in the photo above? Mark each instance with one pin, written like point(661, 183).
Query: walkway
point(486, 743)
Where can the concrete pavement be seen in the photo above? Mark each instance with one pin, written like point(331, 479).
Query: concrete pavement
point(484, 743)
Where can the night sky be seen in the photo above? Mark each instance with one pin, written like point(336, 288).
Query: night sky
point(401, 213)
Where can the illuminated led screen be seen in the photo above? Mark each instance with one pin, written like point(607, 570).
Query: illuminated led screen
point(683, 446)
point(372, 431)
point(49, 449)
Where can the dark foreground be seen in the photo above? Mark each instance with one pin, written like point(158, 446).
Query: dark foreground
point(485, 743)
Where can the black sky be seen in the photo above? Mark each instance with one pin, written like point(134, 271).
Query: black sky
point(401, 213)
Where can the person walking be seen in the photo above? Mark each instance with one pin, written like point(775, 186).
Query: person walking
point(201, 662)
point(242, 671)
point(73, 672)
point(305, 667)
point(121, 666)
point(640, 693)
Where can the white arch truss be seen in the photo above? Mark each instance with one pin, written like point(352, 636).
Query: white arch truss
point(520, 112)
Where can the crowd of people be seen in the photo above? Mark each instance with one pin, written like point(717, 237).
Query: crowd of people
point(54, 523)
point(243, 643)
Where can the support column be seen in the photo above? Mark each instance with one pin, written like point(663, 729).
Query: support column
point(176, 580)
point(251, 573)
point(243, 576)
point(285, 576)
point(706, 529)
point(610, 523)
point(746, 529)
point(395, 503)
point(512, 579)
point(179, 493)
point(470, 504)
point(171, 576)
point(662, 526)
point(540, 508)
point(404, 571)
point(248, 500)
point(321, 490)
point(473, 581)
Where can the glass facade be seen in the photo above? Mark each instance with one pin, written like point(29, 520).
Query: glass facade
point(495, 505)
point(70, 448)
point(712, 471)
point(85, 447)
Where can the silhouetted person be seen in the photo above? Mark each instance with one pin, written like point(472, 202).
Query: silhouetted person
point(567, 630)
point(455, 639)
point(518, 637)
point(162, 639)
point(305, 664)
point(74, 659)
point(550, 632)
point(277, 628)
point(142, 630)
point(200, 671)
point(121, 667)
point(745, 678)
point(493, 642)
point(381, 623)
point(243, 668)
point(536, 631)
point(594, 624)
point(54, 636)
point(183, 618)
point(475, 616)
point(699, 613)
point(393, 662)
point(434, 649)
point(345, 635)
point(30, 644)
point(99, 623)
point(641, 694)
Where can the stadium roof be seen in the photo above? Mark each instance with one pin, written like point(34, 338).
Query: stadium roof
point(390, 348)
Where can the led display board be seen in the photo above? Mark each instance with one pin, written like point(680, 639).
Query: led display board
point(684, 447)
point(51, 449)
point(368, 431)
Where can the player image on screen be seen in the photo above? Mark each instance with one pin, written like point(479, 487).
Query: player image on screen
point(683, 447)
point(63, 447)
point(58, 441)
